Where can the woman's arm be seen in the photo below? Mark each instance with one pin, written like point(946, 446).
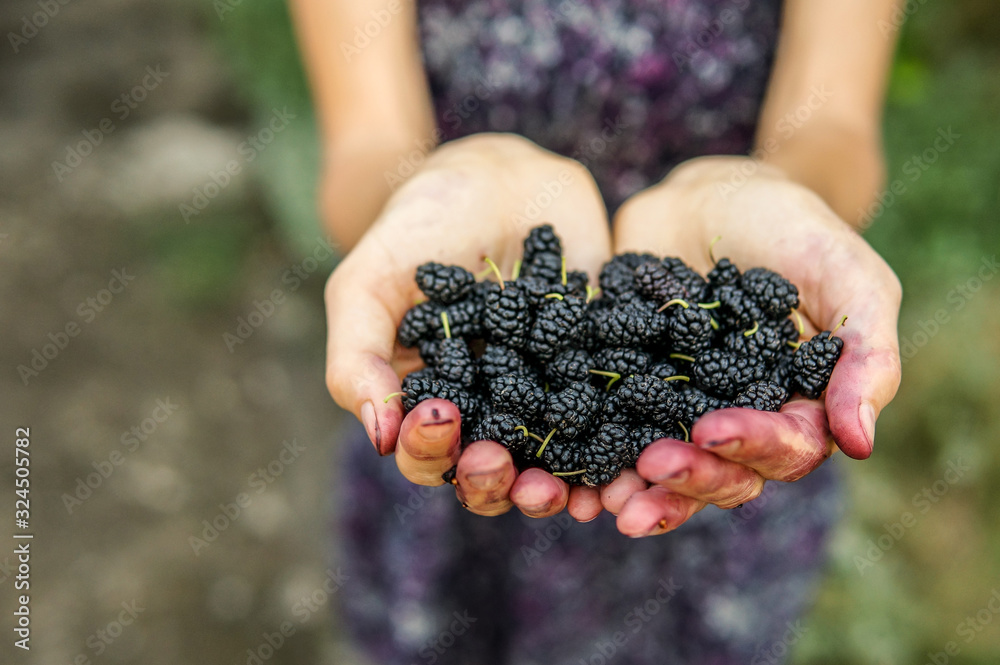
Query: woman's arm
point(821, 121)
point(371, 99)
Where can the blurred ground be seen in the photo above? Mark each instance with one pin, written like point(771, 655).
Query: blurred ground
point(914, 564)
point(152, 356)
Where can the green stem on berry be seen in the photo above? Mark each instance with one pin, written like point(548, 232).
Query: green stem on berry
point(842, 322)
point(678, 377)
point(564, 270)
point(557, 296)
point(496, 271)
point(591, 292)
point(752, 331)
point(799, 326)
point(484, 274)
point(613, 375)
point(794, 345)
point(710, 305)
point(561, 474)
point(517, 270)
point(419, 301)
point(681, 356)
point(675, 301)
point(712, 322)
point(687, 435)
point(545, 442)
point(527, 434)
point(711, 246)
point(444, 322)
point(391, 395)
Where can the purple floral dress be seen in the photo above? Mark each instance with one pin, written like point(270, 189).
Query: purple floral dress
point(630, 88)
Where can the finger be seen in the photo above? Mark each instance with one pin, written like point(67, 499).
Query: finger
point(485, 475)
point(779, 446)
point(584, 503)
point(429, 442)
point(539, 494)
point(365, 299)
point(688, 470)
point(655, 511)
point(614, 495)
point(868, 373)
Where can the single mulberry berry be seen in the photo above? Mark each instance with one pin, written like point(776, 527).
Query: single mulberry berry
point(737, 311)
point(635, 323)
point(454, 362)
point(689, 329)
point(772, 292)
point(506, 429)
point(695, 286)
point(649, 398)
point(725, 373)
point(813, 362)
point(518, 394)
point(563, 459)
point(419, 322)
point(556, 326)
point(761, 396)
point(541, 240)
point(656, 282)
point(603, 458)
point(506, 316)
point(568, 366)
point(445, 284)
point(571, 410)
point(723, 274)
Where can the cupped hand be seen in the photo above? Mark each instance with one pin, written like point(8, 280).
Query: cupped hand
point(764, 219)
point(471, 198)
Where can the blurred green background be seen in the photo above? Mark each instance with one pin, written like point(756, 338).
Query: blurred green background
point(914, 560)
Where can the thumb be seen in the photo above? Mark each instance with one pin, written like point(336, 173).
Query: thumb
point(868, 373)
point(363, 305)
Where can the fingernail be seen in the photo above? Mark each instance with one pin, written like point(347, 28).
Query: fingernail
point(434, 431)
point(485, 480)
point(867, 415)
point(370, 421)
point(729, 444)
point(677, 477)
point(531, 511)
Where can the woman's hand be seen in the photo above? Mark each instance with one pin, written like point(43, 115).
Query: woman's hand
point(471, 198)
point(764, 219)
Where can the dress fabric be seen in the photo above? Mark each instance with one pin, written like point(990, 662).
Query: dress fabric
point(630, 88)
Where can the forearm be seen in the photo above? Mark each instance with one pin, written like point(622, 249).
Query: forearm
point(372, 103)
point(822, 117)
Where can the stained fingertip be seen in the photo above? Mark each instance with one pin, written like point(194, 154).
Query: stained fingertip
point(539, 494)
point(614, 496)
point(584, 503)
